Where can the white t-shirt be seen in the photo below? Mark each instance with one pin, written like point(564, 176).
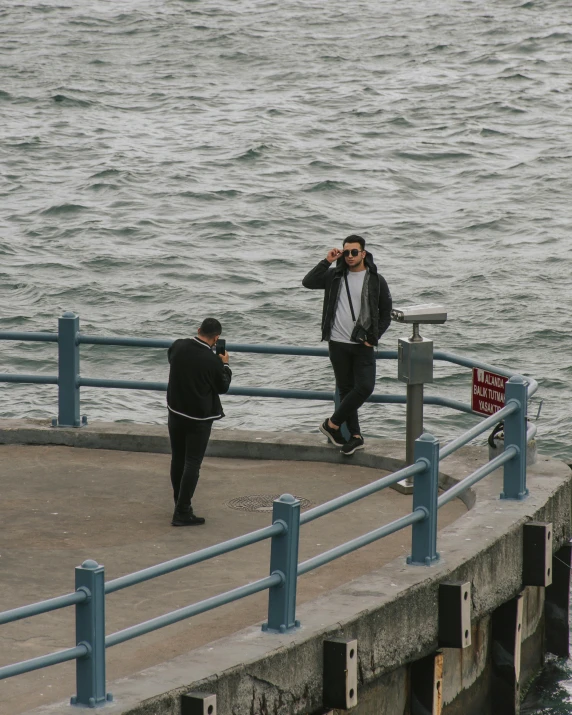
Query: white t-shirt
point(343, 321)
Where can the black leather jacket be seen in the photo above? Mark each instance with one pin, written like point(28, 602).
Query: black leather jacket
point(196, 379)
point(327, 276)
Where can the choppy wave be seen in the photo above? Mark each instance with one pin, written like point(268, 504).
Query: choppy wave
point(63, 209)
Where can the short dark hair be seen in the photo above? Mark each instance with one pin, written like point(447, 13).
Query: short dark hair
point(210, 327)
point(355, 239)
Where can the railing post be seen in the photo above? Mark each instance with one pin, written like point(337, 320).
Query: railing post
point(425, 494)
point(514, 480)
point(284, 560)
point(68, 371)
point(90, 631)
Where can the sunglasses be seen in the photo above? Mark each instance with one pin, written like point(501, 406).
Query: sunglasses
point(354, 252)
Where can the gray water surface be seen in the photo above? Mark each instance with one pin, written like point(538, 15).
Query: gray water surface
point(167, 160)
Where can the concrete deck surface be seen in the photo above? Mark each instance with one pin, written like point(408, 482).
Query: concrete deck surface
point(61, 505)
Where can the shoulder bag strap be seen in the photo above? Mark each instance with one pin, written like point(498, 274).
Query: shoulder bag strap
point(349, 297)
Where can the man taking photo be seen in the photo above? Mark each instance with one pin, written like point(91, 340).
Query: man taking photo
point(197, 377)
point(356, 313)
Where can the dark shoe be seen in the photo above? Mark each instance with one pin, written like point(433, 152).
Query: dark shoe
point(186, 519)
point(352, 445)
point(334, 435)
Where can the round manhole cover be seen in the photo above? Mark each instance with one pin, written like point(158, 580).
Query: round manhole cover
point(261, 502)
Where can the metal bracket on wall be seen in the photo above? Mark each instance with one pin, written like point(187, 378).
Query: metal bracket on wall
point(340, 674)
point(537, 554)
point(506, 646)
point(196, 703)
point(455, 614)
point(557, 604)
point(427, 685)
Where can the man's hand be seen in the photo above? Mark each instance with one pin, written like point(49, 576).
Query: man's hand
point(333, 254)
point(367, 344)
point(224, 357)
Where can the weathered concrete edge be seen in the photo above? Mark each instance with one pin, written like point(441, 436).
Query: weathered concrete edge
point(392, 611)
point(238, 444)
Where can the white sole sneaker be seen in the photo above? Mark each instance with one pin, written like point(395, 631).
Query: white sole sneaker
point(355, 449)
point(330, 437)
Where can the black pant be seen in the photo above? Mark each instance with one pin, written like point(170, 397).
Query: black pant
point(189, 439)
point(354, 368)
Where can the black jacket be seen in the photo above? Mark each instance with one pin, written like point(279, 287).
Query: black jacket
point(328, 277)
point(196, 379)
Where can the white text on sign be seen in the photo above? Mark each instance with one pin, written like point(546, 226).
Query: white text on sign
point(488, 391)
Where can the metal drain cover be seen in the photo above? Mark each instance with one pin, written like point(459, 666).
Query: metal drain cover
point(261, 502)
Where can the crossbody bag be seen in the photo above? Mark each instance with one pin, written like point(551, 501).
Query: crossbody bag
point(359, 334)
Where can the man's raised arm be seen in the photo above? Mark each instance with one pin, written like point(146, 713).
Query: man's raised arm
point(316, 278)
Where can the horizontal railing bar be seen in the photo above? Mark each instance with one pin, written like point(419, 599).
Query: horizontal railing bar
point(475, 431)
point(51, 604)
point(532, 386)
point(298, 350)
point(196, 557)
point(121, 384)
point(35, 379)
point(289, 394)
point(469, 362)
point(329, 396)
point(29, 337)
point(361, 492)
point(125, 341)
point(271, 392)
point(207, 605)
point(231, 347)
point(447, 402)
point(43, 661)
point(325, 558)
point(476, 476)
point(246, 348)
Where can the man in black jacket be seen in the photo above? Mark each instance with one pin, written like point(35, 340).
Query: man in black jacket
point(356, 313)
point(196, 379)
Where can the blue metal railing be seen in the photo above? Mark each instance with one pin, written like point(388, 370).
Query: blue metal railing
point(69, 380)
point(281, 583)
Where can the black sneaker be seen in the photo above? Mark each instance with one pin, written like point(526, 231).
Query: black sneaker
point(352, 445)
point(186, 519)
point(334, 435)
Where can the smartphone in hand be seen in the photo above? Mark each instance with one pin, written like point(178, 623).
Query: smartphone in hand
point(220, 346)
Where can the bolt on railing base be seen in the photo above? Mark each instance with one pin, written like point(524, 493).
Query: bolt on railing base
point(428, 560)
point(83, 422)
point(519, 497)
point(92, 703)
point(282, 629)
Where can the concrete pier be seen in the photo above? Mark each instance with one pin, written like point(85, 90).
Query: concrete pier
point(103, 492)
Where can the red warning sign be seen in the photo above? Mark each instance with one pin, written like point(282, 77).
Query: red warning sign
point(488, 391)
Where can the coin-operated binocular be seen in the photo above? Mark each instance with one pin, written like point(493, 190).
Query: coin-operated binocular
point(426, 313)
point(415, 364)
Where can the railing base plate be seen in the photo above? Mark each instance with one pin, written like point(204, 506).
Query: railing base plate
point(282, 629)
point(405, 486)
